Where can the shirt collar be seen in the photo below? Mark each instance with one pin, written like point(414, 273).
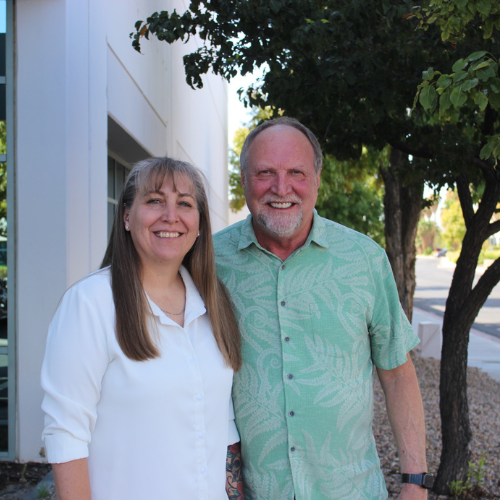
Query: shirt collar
point(317, 233)
point(195, 306)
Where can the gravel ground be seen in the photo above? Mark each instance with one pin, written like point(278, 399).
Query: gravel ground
point(484, 407)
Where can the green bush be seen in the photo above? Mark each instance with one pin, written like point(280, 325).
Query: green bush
point(3, 272)
point(453, 256)
point(428, 251)
point(492, 254)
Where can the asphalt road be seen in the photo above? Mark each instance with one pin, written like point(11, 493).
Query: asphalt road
point(434, 277)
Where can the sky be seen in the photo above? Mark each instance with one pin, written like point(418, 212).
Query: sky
point(238, 114)
point(3, 16)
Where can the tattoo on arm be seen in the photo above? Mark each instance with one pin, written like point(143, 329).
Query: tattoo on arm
point(234, 480)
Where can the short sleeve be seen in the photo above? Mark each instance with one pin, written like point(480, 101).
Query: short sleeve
point(233, 436)
point(391, 335)
point(75, 361)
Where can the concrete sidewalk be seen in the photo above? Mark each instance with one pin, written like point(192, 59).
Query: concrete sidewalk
point(484, 349)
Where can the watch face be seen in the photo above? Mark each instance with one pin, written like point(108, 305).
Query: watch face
point(428, 481)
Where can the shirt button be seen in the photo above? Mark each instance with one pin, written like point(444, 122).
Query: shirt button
point(292, 448)
point(283, 267)
point(283, 303)
point(289, 376)
point(202, 470)
point(191, 361)
point(198, 397)
point(287, 339)
point(291, 413)
point(200, 435)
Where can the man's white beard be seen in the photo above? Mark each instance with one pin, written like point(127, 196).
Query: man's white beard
point(279, 224)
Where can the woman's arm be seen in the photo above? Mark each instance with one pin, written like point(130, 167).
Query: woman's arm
point(72, 480)
point(234, 480)
point(75, 362)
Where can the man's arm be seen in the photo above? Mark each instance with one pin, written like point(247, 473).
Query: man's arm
point(234, 480)
point(406, 415)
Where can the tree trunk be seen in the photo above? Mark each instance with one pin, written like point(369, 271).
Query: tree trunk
point(402, 208)
point(462, 306)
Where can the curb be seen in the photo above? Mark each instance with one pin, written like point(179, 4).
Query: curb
point(47, 482)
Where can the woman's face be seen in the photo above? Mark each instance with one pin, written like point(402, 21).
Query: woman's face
point(164, 224)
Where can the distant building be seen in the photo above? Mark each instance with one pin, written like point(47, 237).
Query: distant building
point(81, 107)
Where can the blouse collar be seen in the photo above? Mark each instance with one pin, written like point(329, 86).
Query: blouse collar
point(195, 306)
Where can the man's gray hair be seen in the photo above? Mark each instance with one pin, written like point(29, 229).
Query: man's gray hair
point(290, 122)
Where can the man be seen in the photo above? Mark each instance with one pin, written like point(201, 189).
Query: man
point(317, 308)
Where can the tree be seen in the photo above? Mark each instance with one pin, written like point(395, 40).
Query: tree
point(427, 234)
point(236, 194)
point(348, 70)
point(351, 193)
point(469, 93)
point(316, 52)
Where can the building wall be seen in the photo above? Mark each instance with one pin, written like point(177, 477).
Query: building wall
point(74, 66)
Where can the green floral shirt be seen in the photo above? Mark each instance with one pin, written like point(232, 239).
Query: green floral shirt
point(312, 329)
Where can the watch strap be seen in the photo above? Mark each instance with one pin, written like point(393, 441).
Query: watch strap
point(424, 479)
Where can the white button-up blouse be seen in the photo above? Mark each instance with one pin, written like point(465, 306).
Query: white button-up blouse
point(156, 429)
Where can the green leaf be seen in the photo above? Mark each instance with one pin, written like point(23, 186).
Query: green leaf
point(459, 65)
point(459, 75)
point(428, 98)
point(485, 153)
point(309, 21)
point(491, 149)
point(275, 6)
point(325, 21)
point(495, 85)
point(458, 97)
point(428, 74)
point(488, 28)
point(476, 55)
point(444, 101)
point(480, 65)
point(486, 73)
point(481, 100)
point(444, 81)
point(469, 84)
point(494, 100)
point(415, 100)
point(484, 7)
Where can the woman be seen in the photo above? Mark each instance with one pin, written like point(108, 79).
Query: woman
point(140, 355)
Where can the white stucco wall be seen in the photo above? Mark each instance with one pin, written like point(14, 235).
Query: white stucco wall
point(74, 65)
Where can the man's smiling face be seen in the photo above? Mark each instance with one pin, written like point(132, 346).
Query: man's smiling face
point(281, 185)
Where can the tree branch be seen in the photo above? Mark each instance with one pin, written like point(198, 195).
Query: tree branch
point(405, 148)
point(487, 169)
point(465, 199)
point(493, 228)
point(482, 290)
point(490, 116)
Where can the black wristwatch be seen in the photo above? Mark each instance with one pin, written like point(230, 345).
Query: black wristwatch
point(425, 480)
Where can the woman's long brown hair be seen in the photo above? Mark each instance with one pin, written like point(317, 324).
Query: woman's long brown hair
point(130, 299)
